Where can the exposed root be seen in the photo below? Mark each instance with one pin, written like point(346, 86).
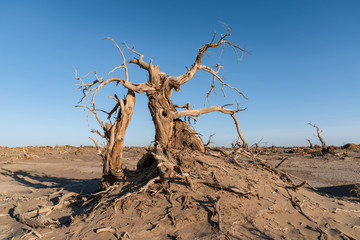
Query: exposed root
point(109, 229)
point(217, 211)
point(223, 153)
point(32, 231)
point(210, 165)
point(220, 186)
point(297, 206)
point(172, 190)
point(169, 209)
point(39, 218)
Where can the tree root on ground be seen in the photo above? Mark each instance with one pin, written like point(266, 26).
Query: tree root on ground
point(157, 172)
point(39, 218)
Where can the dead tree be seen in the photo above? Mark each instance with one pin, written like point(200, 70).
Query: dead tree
point(171, 131)
point(319, 132)
point(310, 143)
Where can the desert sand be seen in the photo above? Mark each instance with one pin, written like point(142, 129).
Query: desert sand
point(53, 195)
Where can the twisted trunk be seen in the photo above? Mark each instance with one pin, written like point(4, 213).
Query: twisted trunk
point(170, 132)
point(112, 154)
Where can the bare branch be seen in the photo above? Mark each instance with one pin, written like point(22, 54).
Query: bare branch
point(182, 79)
point(97, 131)
point(187, 106)
point(95, 114)
point(138, 61)
point(215, 76)
point(209, 141)
point(124, 61)
point(113, 110)
point(198, 112)
point(96, 144)
point(244, 143)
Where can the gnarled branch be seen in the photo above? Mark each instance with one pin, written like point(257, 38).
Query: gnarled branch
point(176, 81)
point(198, 112)
point(138, 61)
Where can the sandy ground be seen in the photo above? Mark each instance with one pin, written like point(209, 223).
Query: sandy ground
point(52, 173)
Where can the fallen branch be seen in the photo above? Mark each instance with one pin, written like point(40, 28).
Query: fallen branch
point(39, 217)
point(224, 187)
point(169, 209)
point(108, 229)
point(210, 165)
point(296, 187)
point(283, 160)
point(139, 190)
point(217, 210)
point(33, 231)
point(295, 204)
point(216, 150)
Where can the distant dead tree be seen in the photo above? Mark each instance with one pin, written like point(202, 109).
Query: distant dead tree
point(171, 130)
point(26, 155)
point(319, 132)
point(310, 143)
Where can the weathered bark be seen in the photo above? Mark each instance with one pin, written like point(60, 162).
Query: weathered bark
point(170, 132)
point(112, 153)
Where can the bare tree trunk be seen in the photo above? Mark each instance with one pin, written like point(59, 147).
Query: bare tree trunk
point(170, 132)
point(112, 153)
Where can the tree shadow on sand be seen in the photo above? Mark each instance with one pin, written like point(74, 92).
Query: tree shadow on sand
point(64, 201)
point(341, 191)
point(43, 181)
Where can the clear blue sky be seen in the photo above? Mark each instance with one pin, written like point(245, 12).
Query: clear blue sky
point(304, 66)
